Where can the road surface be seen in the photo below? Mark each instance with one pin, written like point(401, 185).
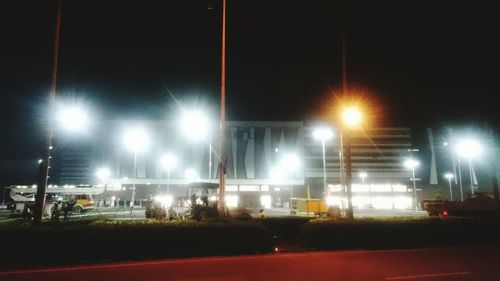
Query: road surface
point(447, 264)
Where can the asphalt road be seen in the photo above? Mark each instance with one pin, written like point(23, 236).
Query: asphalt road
point(448, 264)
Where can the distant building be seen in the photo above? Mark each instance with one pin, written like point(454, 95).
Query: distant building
point(256, 174)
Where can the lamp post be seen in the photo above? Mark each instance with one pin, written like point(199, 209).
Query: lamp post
point(103, 174)
point(469, 148)
point(449, 176)
point(351, 118)
point(70, 119)
point(168, 161)
point(323, 134)
point(412, 164)
point(195, 127)
point(291, 163)
point(363, 176)
point(277, 175)
point(137, 141)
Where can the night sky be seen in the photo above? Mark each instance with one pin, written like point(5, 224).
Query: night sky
point(420, 63)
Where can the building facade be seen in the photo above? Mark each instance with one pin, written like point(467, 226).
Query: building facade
point(260, 165)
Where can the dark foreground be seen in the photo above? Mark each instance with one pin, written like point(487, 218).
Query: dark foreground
point(450, 264)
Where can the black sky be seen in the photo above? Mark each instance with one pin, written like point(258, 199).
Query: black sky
point(426, 63)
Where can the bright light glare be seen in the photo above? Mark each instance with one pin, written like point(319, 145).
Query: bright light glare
point(448, 175)
point(363, 175)
point(232, 201)
point(411, 163)
point(168, 161)
point(322, 134)
point(352, 116)
point(191, 174)
point(194, 125)
point(136, 140)
point(164, 200)
point(265, 201)
point(291, 162)
point(277, 175)
point(73, 119)
point(468, 148)
point(103, 173)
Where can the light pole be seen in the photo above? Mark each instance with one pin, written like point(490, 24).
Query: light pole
point(168, 161)
point(191, 175)
point(323, 134)
point(291, 163)
point(412, 164)
point(363, 176)
point(137, 141)
point(469, 148)
point(449, 176)
point(195, 126)
point(276, 175)
point(70, 119)
point(460, 180)
point(351, 118)
point(103, 174)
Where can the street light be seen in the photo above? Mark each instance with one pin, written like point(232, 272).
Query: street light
point(323, 134)
point(412, 164)
point(469, 148)
point(195, 126)
point(363, 176)
point(73, 118)
point(290, 162)
point(190, 174)
point(351, 118)
point(449, 176)
point(168, 162)
point(277, 175)
point(103, 174)
point(136, 141)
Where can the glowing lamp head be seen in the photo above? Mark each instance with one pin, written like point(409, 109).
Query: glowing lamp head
point(411, 163)
point(103, 173)
point(290, 162)
point(73, 119)
point(194, 125)
point(277, 174)
point(448, 175)
point(322, 134)
point(168, 161)
point(190, 174)
point(352, 116)
point(468, 148)
point(136, 140)
point(363, 175)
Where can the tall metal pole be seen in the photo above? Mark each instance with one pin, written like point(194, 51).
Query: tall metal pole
point(210, 158)
point(451, 192)
point(168, 181)
point(471, 177)
point(414, 190)
point(348, 177)
point(45, 165)
point(133, 184)
point(341, 168)
point(460, 180)
point(221, 205)
point(324, 168)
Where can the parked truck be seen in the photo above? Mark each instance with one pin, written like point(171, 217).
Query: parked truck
point(475, 205)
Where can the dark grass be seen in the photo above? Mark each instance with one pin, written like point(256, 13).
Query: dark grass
point(398, 234)
point(86, 242)
point(284, 228)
